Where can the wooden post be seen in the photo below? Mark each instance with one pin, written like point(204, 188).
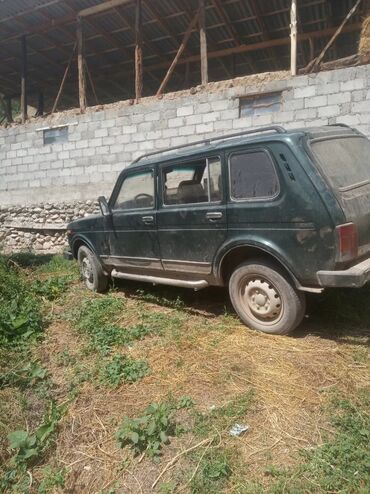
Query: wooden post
point(24, 78)
point(138, 53)
point(178, 54)
point(203, 42)
point(293, 38)
point(64, 79)
point(81, 67)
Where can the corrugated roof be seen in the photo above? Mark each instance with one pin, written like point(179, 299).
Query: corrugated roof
point(110, 41)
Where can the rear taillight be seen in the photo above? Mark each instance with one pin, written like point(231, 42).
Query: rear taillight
point(347, 238)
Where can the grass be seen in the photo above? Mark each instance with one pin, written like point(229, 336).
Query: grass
point(106, 393)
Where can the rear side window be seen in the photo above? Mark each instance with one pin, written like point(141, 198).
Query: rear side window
point(344, 160)
point(196, 182)
point(252, 176)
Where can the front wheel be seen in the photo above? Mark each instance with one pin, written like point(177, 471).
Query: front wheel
point(91, 270)
point(265, 299)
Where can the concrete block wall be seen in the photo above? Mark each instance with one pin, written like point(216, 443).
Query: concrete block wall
point(104, 140)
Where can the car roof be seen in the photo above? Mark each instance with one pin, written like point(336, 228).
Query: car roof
point(227, 141)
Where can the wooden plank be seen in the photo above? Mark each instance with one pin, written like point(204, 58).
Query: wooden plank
point(24, 81)
point(102, 7)
point(314, 64)
point(138, 52)
point(262, 45)
point(203, 43)
point(81, 67)
point(55, 105)
point(293, 38)
point(179, 53)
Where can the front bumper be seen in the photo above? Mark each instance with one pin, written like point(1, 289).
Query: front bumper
point(68, 255)
point(355, 277)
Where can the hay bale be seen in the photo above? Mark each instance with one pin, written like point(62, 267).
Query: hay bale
point(364, 47)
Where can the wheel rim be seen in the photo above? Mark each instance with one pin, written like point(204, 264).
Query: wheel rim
point(87, 271)
point(261, 300)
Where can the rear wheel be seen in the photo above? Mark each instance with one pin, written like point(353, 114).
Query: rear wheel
point(91, 270)
point(265, 299)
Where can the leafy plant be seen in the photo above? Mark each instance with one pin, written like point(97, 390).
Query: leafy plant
point(121, 368)
point(51, 288)
point(214, 471)
point(148, 432)
point(20, 313)
point(52, 478)
point(27, 376)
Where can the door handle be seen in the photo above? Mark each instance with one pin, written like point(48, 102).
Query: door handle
point(148, 219)
point(216, 215)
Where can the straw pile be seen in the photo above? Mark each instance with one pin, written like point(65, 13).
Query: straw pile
point(364, 47)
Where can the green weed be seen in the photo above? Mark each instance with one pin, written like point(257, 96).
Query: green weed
point(213, 473)
point(51, 288)
point(150, 431)
point(121, 368)
point(52, 479)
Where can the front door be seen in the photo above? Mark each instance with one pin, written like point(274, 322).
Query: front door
point(192, 215)
point(133, 240)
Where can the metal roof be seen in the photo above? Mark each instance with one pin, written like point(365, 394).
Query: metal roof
point(50, 26)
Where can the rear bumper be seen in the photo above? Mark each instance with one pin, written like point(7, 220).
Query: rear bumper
point(356, 276)
point(68, 255)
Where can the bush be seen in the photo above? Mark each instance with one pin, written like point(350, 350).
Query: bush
point(20, 314)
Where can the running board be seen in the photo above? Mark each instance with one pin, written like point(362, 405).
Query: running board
point(156, 280)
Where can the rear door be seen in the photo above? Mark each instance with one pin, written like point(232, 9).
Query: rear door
point(345, 162)
point(192, 214)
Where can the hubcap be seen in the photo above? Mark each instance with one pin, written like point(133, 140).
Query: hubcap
point(261, 300)
point(86, 270)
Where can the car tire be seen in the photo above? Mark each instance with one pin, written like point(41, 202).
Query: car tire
point(265, 299)
point(91, 270)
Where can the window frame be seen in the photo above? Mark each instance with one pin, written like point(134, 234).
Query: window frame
point(122, 178)
point(185, 163)
point(253, 199)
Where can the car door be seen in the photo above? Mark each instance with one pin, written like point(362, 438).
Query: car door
point(133, 238)
point(191, 216)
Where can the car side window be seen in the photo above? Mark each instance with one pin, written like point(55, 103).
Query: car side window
point(136, 192)
point(252, 176)
point(196, 182)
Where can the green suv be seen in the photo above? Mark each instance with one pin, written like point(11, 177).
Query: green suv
point(270, 213)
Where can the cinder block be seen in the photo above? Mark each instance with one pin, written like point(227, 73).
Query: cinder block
point(329, 111)
point(305, 92)
point(337, 99)
point(184, 111)
point(316, 101)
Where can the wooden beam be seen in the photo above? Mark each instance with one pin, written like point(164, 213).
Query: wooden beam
point(293, 38)
point(24, 79)
point(81, 66)
point(8, 109)
point(40, 104)
point(179, 53)
point(262, 45)
point(102, 7)
point(316, 63)
point(203, 43)
point(55, 105)
point(138, 52)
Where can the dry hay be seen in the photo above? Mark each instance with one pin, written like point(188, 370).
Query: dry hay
point(290, 378)
point(364, 46)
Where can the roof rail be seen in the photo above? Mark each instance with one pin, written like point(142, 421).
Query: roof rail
point(272, 128)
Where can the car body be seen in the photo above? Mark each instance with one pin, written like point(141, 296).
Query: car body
point(295, 202)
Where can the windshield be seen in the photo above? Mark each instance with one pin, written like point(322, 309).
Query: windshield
point(345, 161)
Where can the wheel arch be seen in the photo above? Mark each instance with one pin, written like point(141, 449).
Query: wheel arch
point(79, 242)
point(236, 254)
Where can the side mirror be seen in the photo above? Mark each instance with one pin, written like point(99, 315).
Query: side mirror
point(104, 207)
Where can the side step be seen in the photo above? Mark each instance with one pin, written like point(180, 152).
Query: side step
point(157, 280)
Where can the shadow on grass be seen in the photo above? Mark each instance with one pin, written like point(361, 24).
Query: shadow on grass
point(29, 259)
point(342, 315)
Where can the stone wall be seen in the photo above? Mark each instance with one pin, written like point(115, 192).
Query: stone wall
point(104, 140)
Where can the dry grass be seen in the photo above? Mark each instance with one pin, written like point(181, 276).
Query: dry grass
point(364, 46)
point(212, 358)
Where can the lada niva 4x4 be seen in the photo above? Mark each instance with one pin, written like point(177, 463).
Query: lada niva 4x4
point(269, 213)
